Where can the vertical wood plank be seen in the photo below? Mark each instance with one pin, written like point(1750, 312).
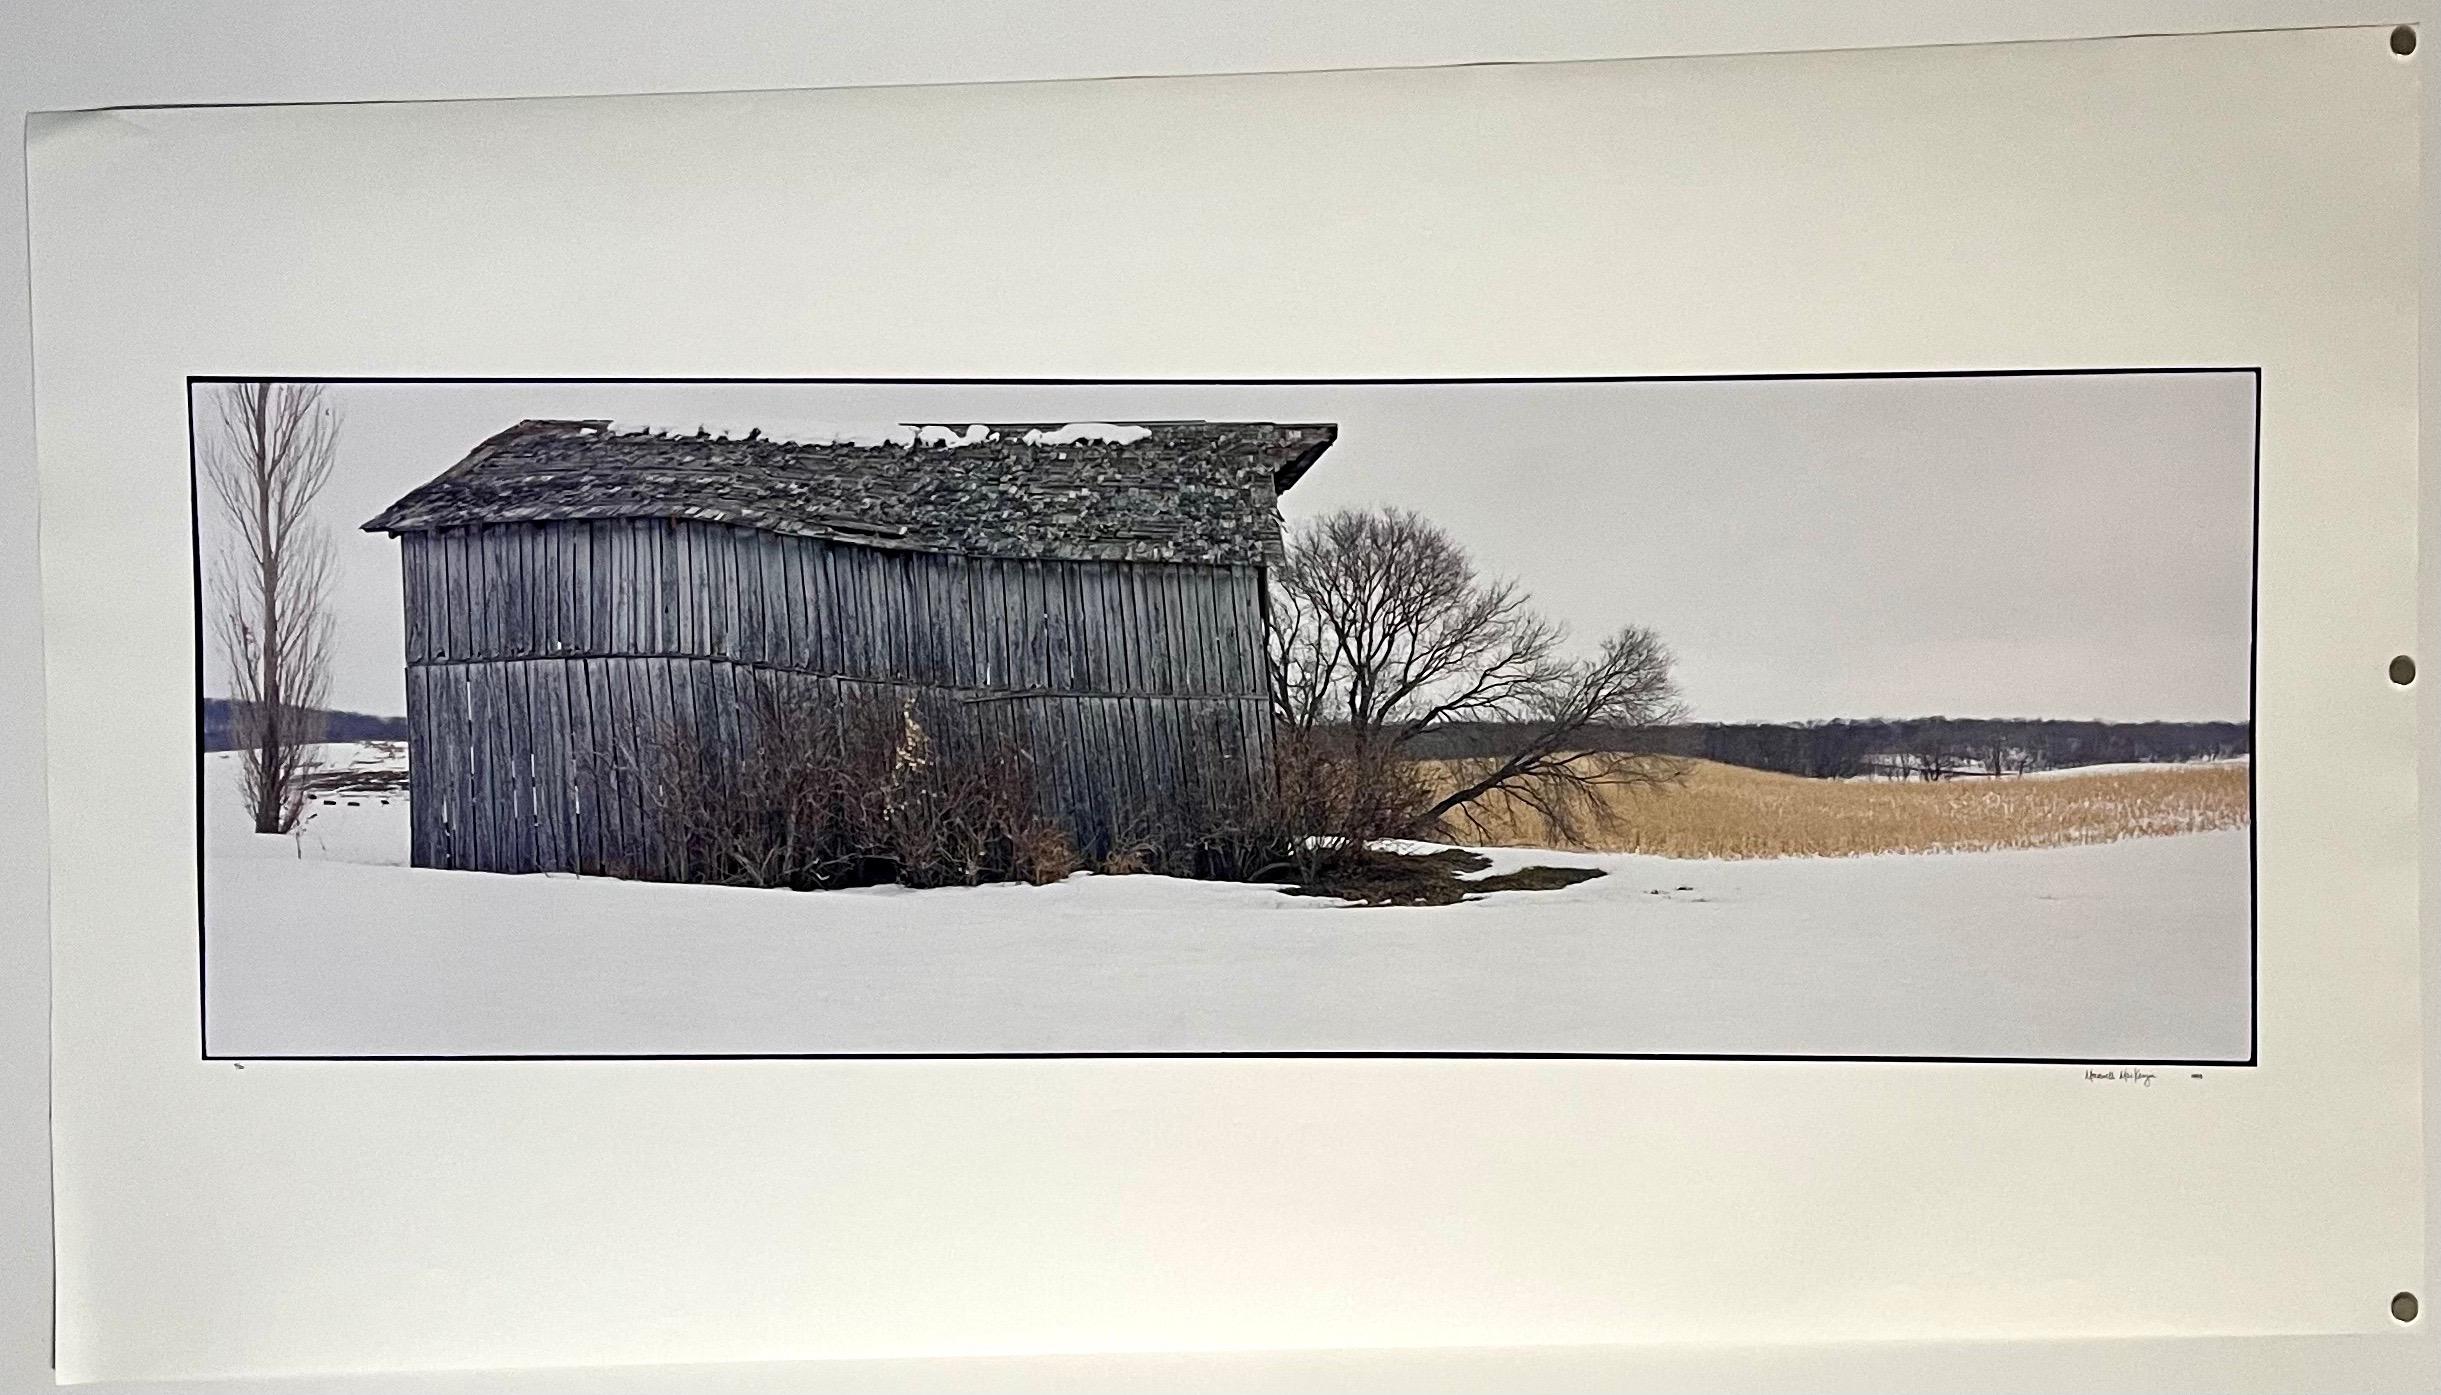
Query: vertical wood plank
point(1030, 674)
point(554, 577)
point(1094, 619)
point(1246, 623)
point(584, 583)
point(465, 593)
point(942, 620)
point(1059, 627)
point(448, 594)
point(486, 790)
point(1215, 639)
point(535, 548)
point(890, 582)
point(1181, 632)
point(695, 592)
point(711, 588)
point(729, 718)
point(520, 760)
point(643, 544)
point(472, 579)
point(1220, 658)
point(490, 577)
point(411, 593)
point(843, 597)
point(481, 643)
point(1187, 626)
point(606, 723)
point(613, 729)
point(419, 741)
point(428, 763)
point(810, 646)
point(473, 755)
point(1221, 663)
point(1014, 630)
point(548, 714)
point(915, 610)
point(1150, 617)
point(626, 593)
point(456, 795)
point(990, 623)
point(1178, 631)
point(541, 582)
point(778, 644)
point(602, 631)
point(915, 603)
point(434, 602)
point(831, 652)
point(427, 766)
point(974, 653)
point(584, 796)
point(727, 596)
point(511, 544)
point(877, 603)
point(1141, 677)
point(678, 632)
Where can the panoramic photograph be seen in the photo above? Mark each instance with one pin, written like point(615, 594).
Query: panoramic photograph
point(1861, 717)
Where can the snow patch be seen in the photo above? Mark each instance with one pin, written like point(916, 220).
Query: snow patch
point(1109, 433)
point(2134, 767)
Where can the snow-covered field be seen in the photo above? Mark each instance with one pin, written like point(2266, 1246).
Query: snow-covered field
point(2131, 767)
point(323, 944)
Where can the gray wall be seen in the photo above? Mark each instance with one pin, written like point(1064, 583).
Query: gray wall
point(536, 650)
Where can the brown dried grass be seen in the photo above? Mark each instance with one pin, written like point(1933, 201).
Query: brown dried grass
point(1727, 811)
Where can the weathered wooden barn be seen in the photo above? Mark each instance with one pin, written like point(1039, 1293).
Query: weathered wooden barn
point(1094, 592)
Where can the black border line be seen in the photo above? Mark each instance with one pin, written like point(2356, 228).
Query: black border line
point(194, 537)
point(2253, 660)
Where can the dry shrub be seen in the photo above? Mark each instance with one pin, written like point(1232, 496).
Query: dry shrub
point(1216, 821)
point(1042, 853)
point(1338, 793)
point(845, 792)
point(1726, 811)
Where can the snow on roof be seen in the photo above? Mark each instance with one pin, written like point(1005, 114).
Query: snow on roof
point(1087, 431)
point(866, 435)
point(1189, 491)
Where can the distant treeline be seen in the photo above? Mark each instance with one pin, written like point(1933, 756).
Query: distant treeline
point(1931, 748)
point(219, 724)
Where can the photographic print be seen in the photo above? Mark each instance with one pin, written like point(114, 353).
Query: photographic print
point(1858, 717)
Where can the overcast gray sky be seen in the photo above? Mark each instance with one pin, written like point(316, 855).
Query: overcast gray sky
point(2029, 546)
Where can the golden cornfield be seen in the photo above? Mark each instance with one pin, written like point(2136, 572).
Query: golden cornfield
point(1727, 811)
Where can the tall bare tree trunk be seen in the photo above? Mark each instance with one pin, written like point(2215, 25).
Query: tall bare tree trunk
point(268, 459)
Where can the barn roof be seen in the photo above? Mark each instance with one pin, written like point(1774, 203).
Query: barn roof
point(1176, 491)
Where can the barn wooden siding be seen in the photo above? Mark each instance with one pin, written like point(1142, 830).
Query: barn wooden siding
point(543, 659)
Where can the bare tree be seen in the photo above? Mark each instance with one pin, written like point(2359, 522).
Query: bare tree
point(1383, 634)
point(1931, 754)
point(267, 455)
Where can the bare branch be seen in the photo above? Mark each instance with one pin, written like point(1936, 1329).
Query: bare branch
point(267, 460)
point(1383, 635)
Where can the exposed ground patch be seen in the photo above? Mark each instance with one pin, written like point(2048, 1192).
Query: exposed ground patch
point(1381, 878)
